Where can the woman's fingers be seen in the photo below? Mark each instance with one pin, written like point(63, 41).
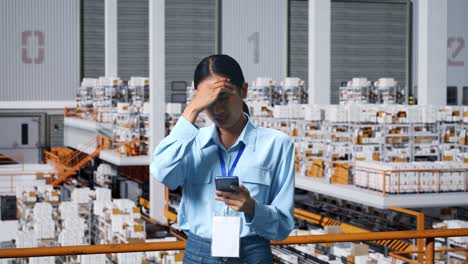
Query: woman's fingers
point(229, 201)
point(217, 80)
point(240, 189)
point(224, 88)
point(209, 91)
point(228, 195)
point(212, 92)
point(238, 194)
point(218, 83)
point(236, 200)
point(213, 83)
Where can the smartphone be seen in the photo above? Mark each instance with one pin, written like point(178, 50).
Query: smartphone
point(223, 183)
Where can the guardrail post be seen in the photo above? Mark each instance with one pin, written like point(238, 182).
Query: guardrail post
point(430, 250)
point(420, 242)
point(419, 227)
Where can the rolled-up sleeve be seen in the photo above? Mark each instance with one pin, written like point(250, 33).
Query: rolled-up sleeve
point(171, 157)
point(275, 221)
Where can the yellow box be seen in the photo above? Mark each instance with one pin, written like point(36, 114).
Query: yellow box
point(448, 158)
point(138, 228)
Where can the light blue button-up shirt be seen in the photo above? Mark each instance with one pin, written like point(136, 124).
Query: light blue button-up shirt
point(188, 157)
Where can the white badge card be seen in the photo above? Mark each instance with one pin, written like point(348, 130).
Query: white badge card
point(226, 241)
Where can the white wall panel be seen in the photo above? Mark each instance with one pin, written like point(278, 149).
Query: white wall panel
point(39, 50)
point(110, 38)
point(457, 45)
point(255, 34)
point(432, 52)
point(157, 73)
point(319, 51)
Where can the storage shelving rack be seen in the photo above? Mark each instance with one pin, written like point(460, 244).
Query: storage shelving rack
point(138, 92)
point(396, 145)
point(367, 141)
point(339, 150)
point(390, 95)
point(449, 147)
point(294, 91)
point(425, 142)
point(339, 141)
point(456, 255)
point(85, 211)
point(313, 148)
point(463, 138)
point(84, 98)
point(144, 132)
point(357, 95)
point(127, 133)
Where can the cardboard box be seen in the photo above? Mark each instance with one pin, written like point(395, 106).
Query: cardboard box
point(457, 261)
point(332, 230)
point(423, 140)
point(316, 169)
point(350, 260)
point(376, 156)
point(359, 249)
point(341, 173)
point(361, 259)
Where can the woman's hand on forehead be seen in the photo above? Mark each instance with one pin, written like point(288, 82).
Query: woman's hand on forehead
point(216, 79)
point(211, 90)
point(221, 83)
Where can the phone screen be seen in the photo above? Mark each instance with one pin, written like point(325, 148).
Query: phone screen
point(223, 183)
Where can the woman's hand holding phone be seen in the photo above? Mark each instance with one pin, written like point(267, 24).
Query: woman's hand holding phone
point(239, 200)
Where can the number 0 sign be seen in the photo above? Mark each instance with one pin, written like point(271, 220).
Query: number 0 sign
point(26, 37)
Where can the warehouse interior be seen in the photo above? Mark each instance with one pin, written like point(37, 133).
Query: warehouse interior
point(373, 93)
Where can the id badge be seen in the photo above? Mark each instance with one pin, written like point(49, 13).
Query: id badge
point(225, 241)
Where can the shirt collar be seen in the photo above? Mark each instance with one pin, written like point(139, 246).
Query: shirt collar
point(248, 135)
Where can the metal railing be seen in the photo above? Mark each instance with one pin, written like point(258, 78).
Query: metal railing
point(7, 160)
point(16, 159)
point(419, 226)
point(77, 112)
point(428, 235)
point(435, 173)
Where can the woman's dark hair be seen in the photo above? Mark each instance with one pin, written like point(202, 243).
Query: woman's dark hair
point(222, 65)
point(219, 64)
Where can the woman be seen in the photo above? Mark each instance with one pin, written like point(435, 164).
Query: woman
point(192, 157)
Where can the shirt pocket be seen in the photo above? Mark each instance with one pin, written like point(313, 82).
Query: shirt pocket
point(200, 177)
point(258, 181)
point(200, 187)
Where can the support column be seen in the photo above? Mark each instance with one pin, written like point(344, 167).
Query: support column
point(110, 38)
point(157, 98)
point(432, 52)
point(319, 51)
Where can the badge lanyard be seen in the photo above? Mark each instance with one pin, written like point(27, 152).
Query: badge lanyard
point(234, 164)
point(233, 167)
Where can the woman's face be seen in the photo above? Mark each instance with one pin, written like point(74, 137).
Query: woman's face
point(226, 111)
